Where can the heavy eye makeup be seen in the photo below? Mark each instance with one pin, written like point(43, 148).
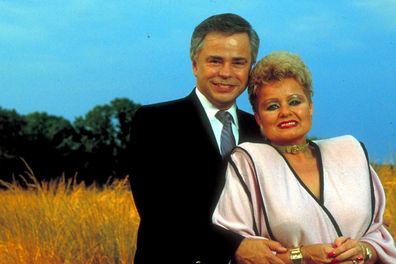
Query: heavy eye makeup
point(271, 106)
point(294, 100)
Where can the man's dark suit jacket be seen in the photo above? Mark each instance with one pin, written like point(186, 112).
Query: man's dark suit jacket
point(177, 174)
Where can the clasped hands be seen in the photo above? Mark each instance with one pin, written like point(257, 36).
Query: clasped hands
point(259, 251)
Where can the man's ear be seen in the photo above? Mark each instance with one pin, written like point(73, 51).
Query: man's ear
point(194, 67)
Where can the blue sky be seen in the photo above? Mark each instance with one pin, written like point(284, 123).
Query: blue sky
point(65, 57)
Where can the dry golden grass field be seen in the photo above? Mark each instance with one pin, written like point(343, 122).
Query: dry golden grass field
point(64, 222)
point(387, 173)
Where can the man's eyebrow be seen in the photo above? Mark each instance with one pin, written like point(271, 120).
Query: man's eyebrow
point(240, 59)
point(215, 57)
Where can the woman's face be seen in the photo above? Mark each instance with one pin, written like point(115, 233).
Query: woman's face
point(284, 112)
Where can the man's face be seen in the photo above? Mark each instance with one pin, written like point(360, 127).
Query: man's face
point(222, 67)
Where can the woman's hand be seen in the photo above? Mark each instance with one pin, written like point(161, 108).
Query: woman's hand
point(317, 253)
point(348, 250)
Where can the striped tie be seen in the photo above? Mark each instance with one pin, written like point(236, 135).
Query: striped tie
point(227, 141)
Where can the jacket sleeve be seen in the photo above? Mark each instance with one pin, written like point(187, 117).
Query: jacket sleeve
point(377, 235)
point(139, 149)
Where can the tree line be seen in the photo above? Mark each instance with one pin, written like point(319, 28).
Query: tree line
point(93, 147)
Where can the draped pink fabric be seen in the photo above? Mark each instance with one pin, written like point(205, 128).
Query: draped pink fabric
point(263, 197)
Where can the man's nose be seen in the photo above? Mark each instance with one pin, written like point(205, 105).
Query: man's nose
point(226, 70)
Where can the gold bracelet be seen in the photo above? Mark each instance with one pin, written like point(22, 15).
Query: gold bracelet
point(296, 256)
point(367, 252)
point(362, 248)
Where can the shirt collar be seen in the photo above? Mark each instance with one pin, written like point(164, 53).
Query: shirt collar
point(211, 110)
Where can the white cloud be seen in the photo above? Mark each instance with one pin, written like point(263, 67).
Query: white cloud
point(318, 32)
point(385, 10)
point(314, 24)
point(19, 23)
point(10, 32)
point(12, 8)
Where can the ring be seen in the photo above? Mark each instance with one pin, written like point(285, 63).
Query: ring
point(355, 261)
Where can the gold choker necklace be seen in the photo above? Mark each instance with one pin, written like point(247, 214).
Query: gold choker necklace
point(292, 149)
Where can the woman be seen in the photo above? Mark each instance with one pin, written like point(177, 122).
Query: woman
point(320, 199)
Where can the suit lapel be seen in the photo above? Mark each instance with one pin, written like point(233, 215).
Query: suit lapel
point(242, 127)
point(201, 117)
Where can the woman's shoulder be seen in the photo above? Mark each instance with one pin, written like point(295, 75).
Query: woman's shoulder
point(340, 140)
point(255, 149)
point(341, 145)
point(254, 145)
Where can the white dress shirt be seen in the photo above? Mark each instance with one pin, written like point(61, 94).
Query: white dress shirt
point(217, 126)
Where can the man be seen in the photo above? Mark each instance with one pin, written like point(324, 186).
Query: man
point(179, 151)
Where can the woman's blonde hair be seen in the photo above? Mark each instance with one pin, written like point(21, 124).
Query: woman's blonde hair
point(277, 66)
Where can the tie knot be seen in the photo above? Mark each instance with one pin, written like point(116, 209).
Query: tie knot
point(224, 117)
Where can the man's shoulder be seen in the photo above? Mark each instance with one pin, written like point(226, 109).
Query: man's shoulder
point(244, 114)
point(249, 130)
point(166, 107)
point(161, 106)
point(246, 119)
